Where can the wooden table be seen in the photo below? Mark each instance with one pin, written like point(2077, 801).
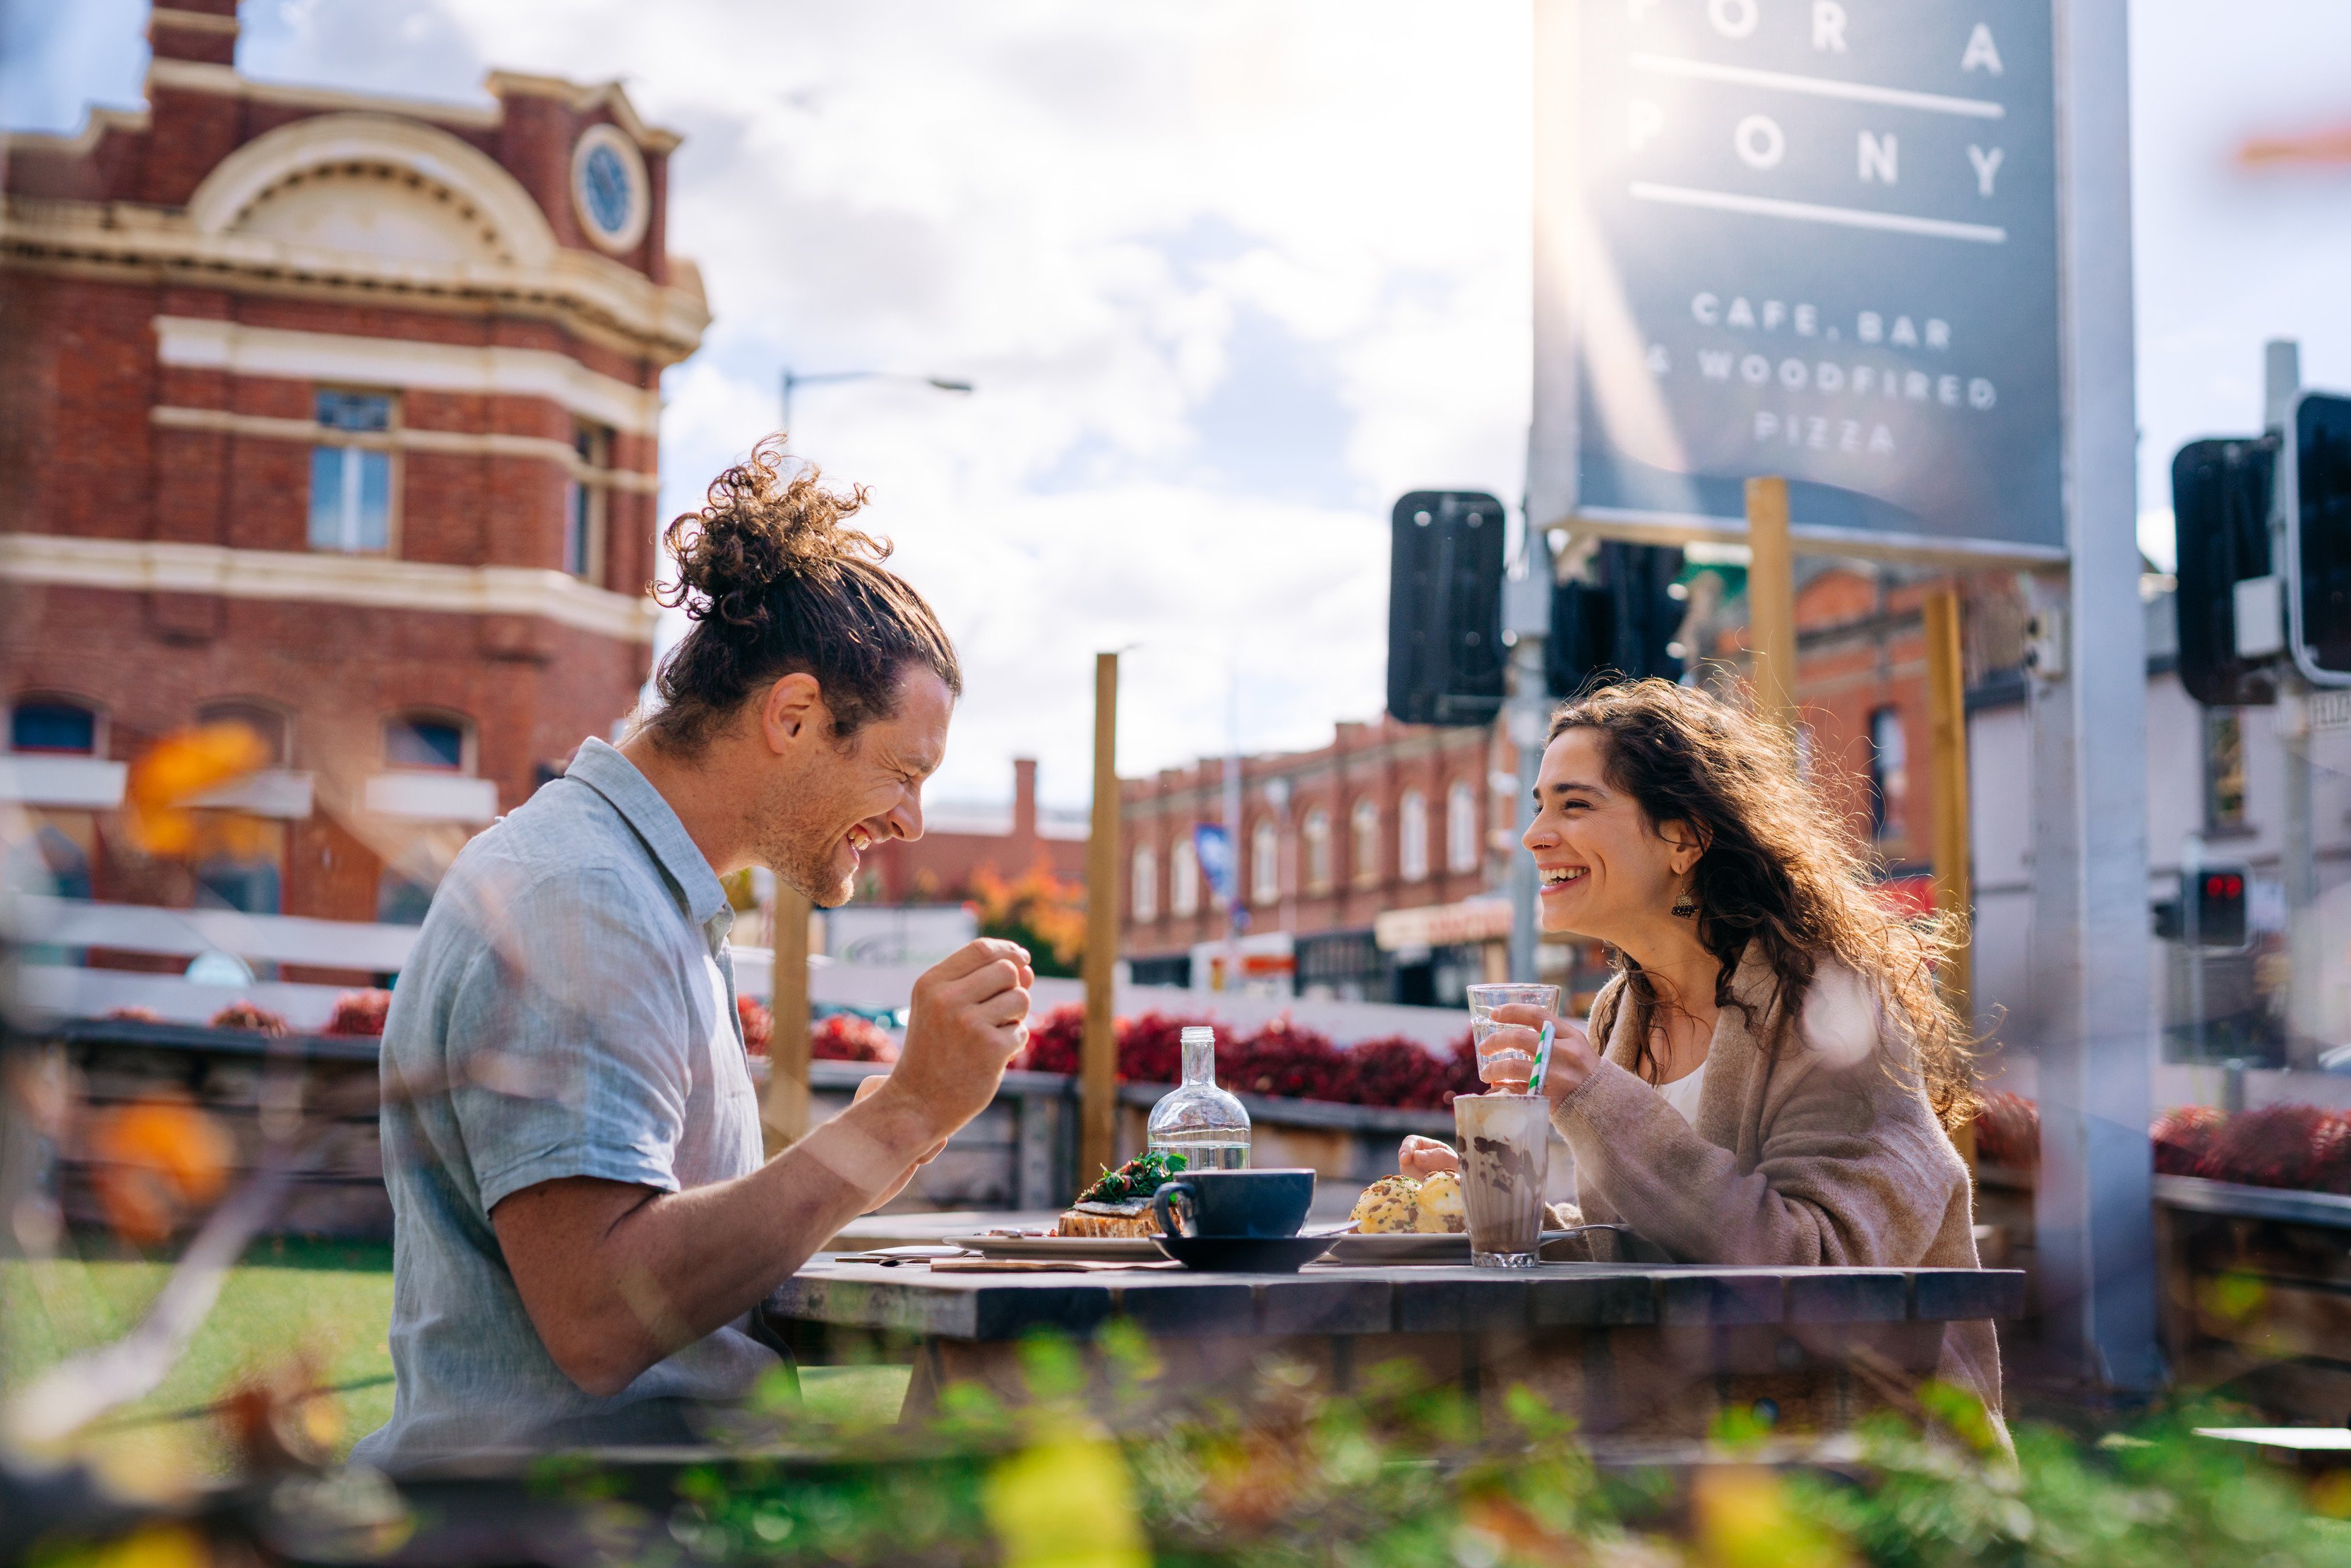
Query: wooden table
point(1633, 1350)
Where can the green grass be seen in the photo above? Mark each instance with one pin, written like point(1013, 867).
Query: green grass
point(329, 1301)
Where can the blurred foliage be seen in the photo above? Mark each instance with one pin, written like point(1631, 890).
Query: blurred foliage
point(1278, 1474)
point(1036, 909)
point(156, 1162)
point(170, 776)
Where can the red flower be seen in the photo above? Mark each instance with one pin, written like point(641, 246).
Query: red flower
point(359, 1013)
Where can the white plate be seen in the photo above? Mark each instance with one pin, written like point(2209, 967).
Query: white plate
point(1102, 1249)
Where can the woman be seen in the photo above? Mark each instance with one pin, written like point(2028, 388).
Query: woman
point(1774, 1072)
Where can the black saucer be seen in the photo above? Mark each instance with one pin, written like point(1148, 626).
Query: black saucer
point(1244, 1254)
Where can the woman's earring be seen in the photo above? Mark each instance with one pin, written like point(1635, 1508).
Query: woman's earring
point(1686, 907)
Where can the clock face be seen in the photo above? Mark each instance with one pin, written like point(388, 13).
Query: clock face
point(610, 188)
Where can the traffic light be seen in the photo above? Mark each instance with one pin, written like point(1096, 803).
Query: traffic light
point(1619, 625)
point(2221, 493)
point(1446, 660)
point(2217, 895)
point(2319, 554)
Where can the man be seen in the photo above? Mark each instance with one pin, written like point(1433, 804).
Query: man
point(583, 1223)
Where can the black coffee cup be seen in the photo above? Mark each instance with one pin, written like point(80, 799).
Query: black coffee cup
point(1235, 1203)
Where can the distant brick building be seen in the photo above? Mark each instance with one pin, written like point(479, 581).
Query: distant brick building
point(336, 416)
point(1364, 865)
point(959, 841)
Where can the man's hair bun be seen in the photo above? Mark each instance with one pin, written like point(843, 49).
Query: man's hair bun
point(760, 523)
point(777, 584)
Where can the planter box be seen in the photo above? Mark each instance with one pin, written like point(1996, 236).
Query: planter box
point(2256, 1294)
point(1021, 1153)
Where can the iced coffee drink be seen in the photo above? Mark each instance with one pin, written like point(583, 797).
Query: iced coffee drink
point(1505, 1143)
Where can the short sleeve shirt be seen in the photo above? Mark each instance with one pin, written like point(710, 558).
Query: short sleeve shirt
point(569, 1011)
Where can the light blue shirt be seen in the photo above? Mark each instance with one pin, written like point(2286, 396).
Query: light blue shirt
point(569, 1011)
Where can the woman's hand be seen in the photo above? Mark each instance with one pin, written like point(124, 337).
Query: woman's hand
point(1506, 1056)
point(1422, 1157)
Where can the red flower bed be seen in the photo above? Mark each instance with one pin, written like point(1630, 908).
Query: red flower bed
point(758, 1025)
point(244, 1015)
point(2008, 1131)
point(1282, 1058)
point(359, 1013)
point(844, 1036)
point(2299, 1147)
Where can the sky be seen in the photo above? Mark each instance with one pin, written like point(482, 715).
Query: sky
point(1228, 278)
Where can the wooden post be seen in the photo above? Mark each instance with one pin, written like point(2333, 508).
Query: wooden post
point(1772, 601)
point(786, 1111)
point(1947, 733)
point(1098, 1077)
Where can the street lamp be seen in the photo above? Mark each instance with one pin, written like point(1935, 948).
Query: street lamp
point(824, 378)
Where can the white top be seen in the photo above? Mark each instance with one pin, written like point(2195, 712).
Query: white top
point(1682, 1094)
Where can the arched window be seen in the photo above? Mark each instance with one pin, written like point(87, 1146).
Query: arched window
point(267, 725)
point(432, 743)
point(1265, 861)
point(1182, 878)
point(56, 725)
point(1461, 826)
point(1412, 837)
point(1317, 834)
point(1143, 883)
point(1364, 828)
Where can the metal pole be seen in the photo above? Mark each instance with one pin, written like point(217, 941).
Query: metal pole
point(1527, 716)
point(786, 1111)
point(1772, 601)
point(2297, 837)
point(1098, 1062)
point(2192, 934)
point(1947, 730)
point(1236, 844)
point(2094, 1204)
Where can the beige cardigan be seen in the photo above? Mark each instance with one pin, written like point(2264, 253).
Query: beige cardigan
point(1818, 1157)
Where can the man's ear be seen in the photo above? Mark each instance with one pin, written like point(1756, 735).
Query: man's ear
point(792, 711)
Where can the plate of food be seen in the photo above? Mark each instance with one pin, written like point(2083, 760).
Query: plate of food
point(1400, 1219)
point(1111, 1222)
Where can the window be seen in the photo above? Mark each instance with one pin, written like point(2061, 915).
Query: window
point(267, 725)
point(1317, 834)
point(1183, 878)
point(52, 724)
point(350, 480)
point(1265, 861)
point(248, 884)
point(1365, 827)
point(1888, 775)
point(2224, 770)
point(420, 741)
point(583, 505)
point(402, 898)
point(1412, 837)
point(1143, 883)
point(1461, 827)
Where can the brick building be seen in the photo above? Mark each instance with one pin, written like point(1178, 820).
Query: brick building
point(960, 840)
point(1364, 866)
point(338, 417)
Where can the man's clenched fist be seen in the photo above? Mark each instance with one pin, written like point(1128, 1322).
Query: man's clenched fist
point(970, 1015)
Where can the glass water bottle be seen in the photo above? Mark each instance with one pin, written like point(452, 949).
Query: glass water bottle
point(1198, 1120)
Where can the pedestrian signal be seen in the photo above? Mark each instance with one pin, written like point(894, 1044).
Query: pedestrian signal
point(2216, 895)
point(1445, 661)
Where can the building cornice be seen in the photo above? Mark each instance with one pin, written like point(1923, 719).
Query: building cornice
point(150, 566)
point(408, 438)
point(664, 323)
point(201, 342)
point(225, 81)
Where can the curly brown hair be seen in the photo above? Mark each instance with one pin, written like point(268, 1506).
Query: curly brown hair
point(778, 585)
point(1779, 869)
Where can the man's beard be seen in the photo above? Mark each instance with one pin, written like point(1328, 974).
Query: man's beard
point(807, 867)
